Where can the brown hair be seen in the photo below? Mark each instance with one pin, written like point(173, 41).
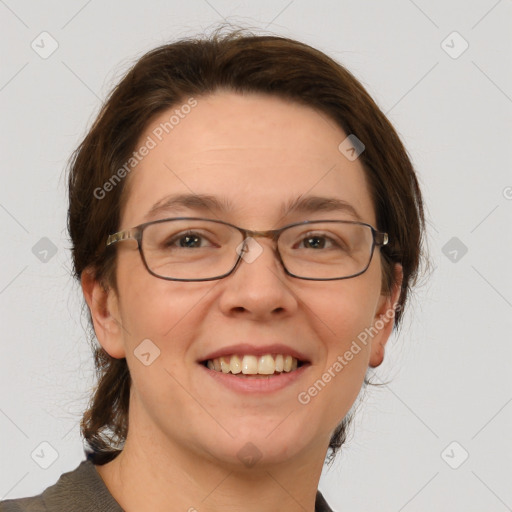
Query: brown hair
point(245, 63)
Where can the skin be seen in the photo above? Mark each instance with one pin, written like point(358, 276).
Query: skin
point(185, 431)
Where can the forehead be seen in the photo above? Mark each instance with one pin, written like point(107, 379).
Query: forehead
point(254, 152)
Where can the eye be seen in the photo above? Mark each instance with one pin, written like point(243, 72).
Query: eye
point(320, 241)
point(315, 242)
point(186, 240)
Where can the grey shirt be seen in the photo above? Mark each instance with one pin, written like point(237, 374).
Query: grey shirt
point(83, 490)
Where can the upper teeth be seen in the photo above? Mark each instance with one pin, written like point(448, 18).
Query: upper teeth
point(252, 365)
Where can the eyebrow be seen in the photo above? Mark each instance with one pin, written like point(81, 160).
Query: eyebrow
point(208, 203)
point(313, 204)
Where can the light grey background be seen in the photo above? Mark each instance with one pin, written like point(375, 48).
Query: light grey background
point(449, 367)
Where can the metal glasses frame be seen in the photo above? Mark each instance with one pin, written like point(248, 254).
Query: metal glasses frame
point(136, 233)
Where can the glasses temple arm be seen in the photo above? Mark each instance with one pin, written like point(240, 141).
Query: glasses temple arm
point(381, 238)
point(122, 235)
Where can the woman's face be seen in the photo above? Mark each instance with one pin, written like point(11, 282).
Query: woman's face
point(258, 154)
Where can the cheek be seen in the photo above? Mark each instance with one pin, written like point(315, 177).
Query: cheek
point(347, 356)
point(152, 307)
point(342, 316)
point(344, 310)
point(156, 314)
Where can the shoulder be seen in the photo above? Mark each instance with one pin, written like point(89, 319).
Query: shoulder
point(80, 490)
point(33, 504)
point(320, 504)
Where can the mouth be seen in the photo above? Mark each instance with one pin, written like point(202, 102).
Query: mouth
point(250, 366)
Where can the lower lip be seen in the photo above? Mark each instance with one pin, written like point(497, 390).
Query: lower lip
point(260, 385)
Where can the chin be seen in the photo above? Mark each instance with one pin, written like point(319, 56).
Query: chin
point(259, 448)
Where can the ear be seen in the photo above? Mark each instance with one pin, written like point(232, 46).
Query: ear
point(104, 307)
point(385, 319)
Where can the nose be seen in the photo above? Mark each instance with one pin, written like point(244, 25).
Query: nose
point(259, 286)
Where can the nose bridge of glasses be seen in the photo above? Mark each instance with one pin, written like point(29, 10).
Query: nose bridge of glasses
point(273, 234)
point(270, 233)
point(252, 249)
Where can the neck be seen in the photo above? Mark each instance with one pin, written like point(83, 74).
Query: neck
point(154, 473)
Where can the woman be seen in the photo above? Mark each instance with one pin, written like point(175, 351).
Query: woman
point(246, 228)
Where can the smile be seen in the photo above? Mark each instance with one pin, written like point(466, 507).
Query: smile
point(255, 374)
point(242, 365)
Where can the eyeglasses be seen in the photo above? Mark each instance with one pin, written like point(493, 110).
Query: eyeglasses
point(197, 249)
